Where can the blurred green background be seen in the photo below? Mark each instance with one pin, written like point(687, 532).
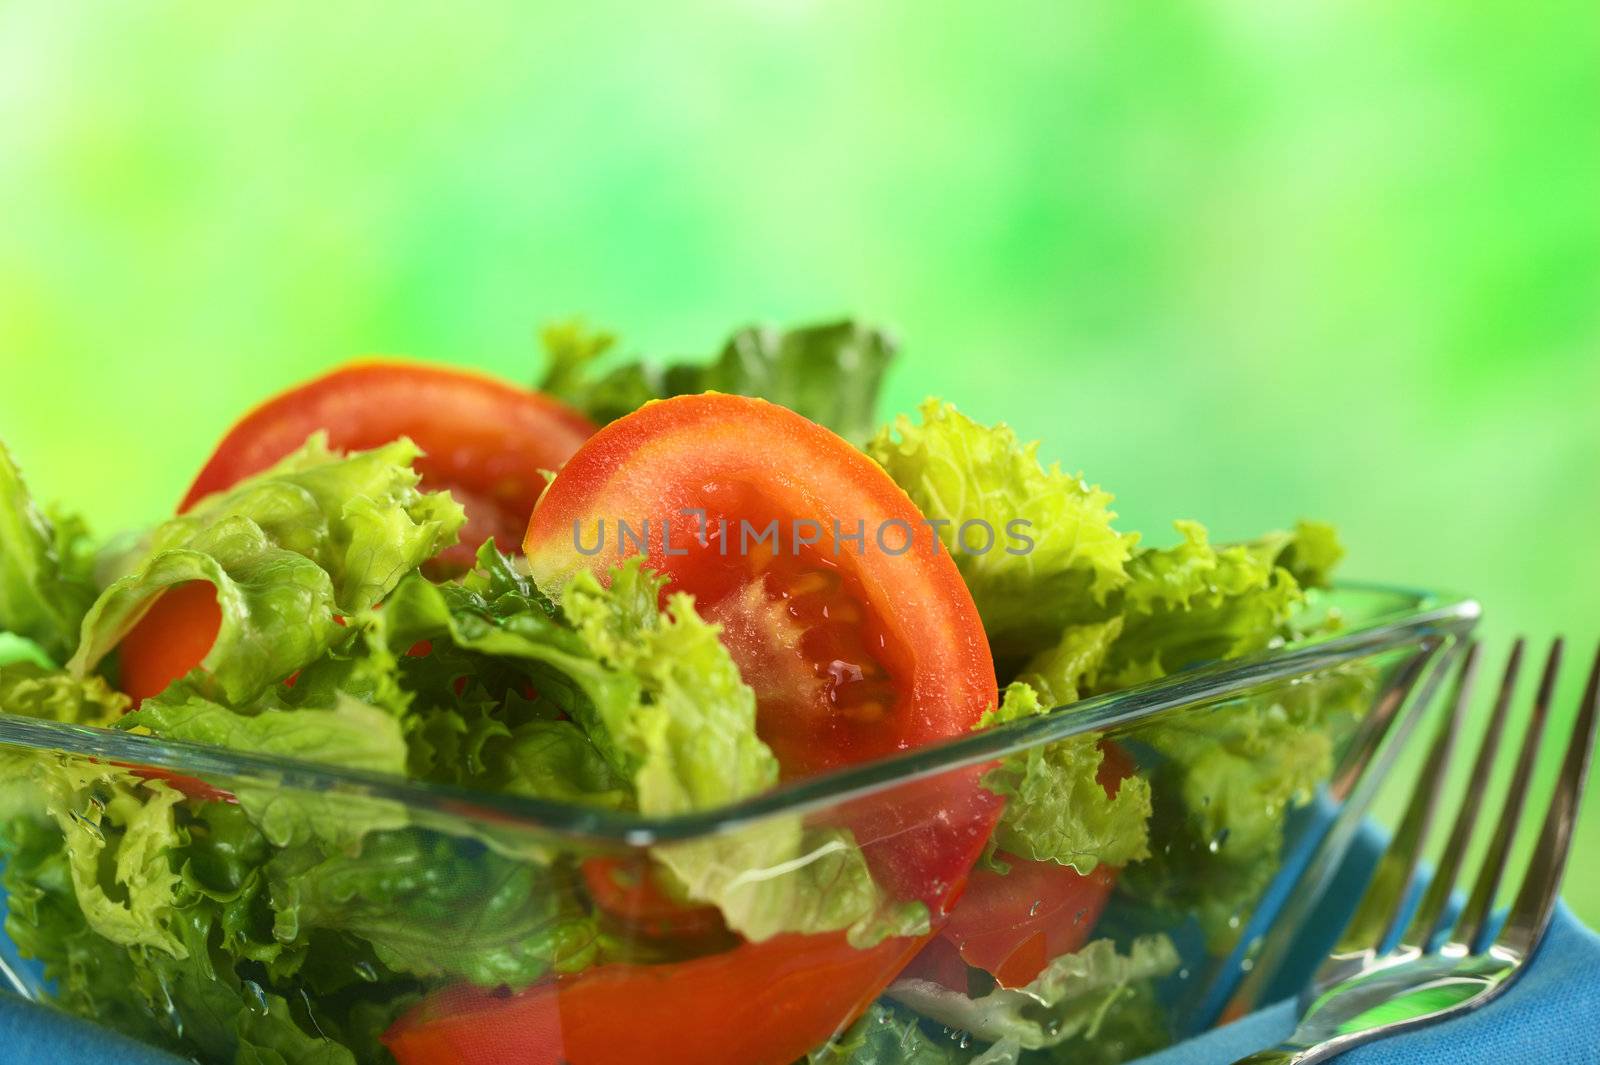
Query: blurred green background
point(1237, 261)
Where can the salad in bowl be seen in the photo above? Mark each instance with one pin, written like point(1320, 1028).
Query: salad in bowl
point(661, 714)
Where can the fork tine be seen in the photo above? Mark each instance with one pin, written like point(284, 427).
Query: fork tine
point(1432, 907)
point(1536, 898)
point(1381, 905)
point(1475, 915)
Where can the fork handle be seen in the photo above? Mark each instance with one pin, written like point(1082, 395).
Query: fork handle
point(1283, 1054)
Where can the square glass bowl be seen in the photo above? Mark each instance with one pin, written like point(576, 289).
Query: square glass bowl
point(449, 927)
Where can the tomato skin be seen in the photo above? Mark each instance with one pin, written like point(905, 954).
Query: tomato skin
point(1012, 925)
point(627, 890)
point(744, 459)
point(485, 440)
point(486, 436)
point(765, 1003)
point(172, 638)
point(758, 461)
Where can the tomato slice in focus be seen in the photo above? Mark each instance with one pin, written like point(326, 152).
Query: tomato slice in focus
point(855, 651)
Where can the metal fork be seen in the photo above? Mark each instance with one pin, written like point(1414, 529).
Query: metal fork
point(1368, 988)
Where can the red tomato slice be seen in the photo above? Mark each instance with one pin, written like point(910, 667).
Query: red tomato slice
point(629, 892)
point(192, 787)
point(172, 638)
point(486, 441)
point(854, 652)
point(763, 1003)
point(1012, 925)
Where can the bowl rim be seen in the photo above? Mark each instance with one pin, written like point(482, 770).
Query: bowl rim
point(1423, 618)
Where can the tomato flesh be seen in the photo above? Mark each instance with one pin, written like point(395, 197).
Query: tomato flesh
point(1013, 924)
point(628, 891)
point(854, 652)
point(766, 1003)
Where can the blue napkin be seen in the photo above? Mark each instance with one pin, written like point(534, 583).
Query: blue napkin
point(1551, 1015)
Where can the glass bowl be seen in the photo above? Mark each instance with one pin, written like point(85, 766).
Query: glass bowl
point(448, 927)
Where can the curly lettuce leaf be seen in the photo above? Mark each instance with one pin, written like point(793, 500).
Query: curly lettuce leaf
point(350, 735)
point(26, 690)
point(432, 906)
point(692, 739)
point(54, 695)
point(1196, 603)
point(358, 516)
point(1225, 779)
point(45, 582)
point(117, 829)
point(555, 760)
point(638, 708)
point(1071, 998)
point(887, 1034)
point(1224, 783)
point(690, 734)
point(317, 535)
point(572, 352)
point(1055, 557)
point(1070, 669)
point(830, 373)
point(1057, 810)
point(219, 987)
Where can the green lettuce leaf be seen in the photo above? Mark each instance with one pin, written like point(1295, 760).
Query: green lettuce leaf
point(1070, 669)
point(690, 736)
point(1226, 778)
point(349, 735)
point(1054, 559)
point(45, 582)
point(1071, 998)
point(830, 373)
point(1136, 1024)
point(555, 760)
point(51, 695)
point(1056, 808)
point(54, 695)
point(1197, 603)
point(216, 986)
point(316, 536)
point(640, 708)
point(888, 1034)
point(571, 353)
point(432, 906)
point(117, 830)
point(1224, 783)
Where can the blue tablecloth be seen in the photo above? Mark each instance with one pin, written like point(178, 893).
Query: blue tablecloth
point(1549, 1017)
